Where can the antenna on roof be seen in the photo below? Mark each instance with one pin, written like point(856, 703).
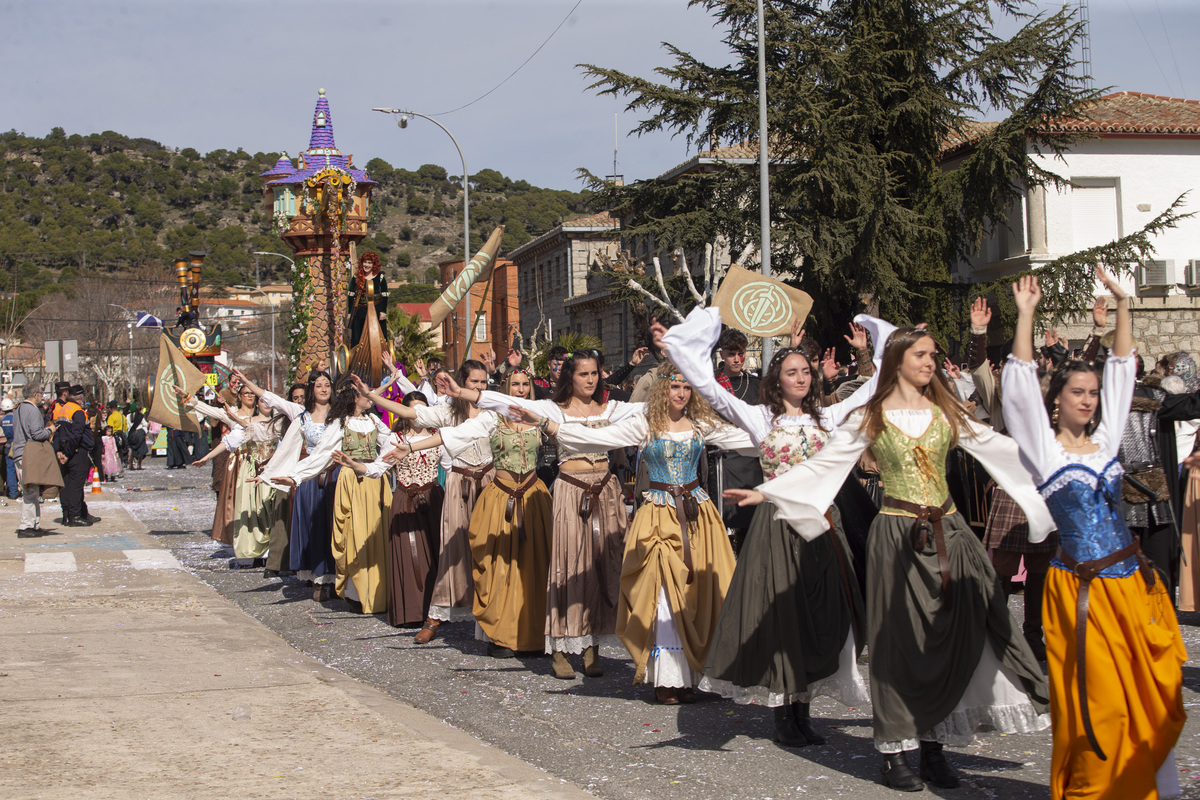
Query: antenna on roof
point(617, 180)
point(1085, 20)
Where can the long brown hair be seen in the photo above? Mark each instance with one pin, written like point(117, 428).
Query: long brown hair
point(460, 409)
point(703, 418)
point(770, 393)
point(939, 391)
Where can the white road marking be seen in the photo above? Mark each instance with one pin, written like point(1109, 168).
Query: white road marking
point(50, 562)
point(152, 559)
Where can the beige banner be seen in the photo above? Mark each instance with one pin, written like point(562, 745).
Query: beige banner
point(758, 305)
point(478, 270)
point(174, 370)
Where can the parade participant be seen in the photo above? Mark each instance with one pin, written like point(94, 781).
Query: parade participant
point(355, 439)
point(368, 285)
point(73, 443)
point(307, 548)
point(1112, 641)
point(255, 510)
point(793, 623)
point(543, 385)
point(736, 472)
point(414, 528)
point(678, 560)
point(471, 471)
point(510, 525)
point(946, 655)
point(226, 480)
point(589, 516)
point(136, 441)
point(111, 462)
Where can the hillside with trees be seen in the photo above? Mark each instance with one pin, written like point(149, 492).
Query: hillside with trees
point(108, 203)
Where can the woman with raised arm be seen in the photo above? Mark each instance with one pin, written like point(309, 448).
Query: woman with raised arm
point(471, 470)
point(946, 654)
point(793, 624)
point(356, 440)
point(678, 560)
point(1112, 642)
point(416, 519)
point(309, 553)
point(589, 515)
point(510, 525)
point(256, 512)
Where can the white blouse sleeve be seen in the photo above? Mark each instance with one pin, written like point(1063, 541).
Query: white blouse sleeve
point(219, 414)
point(287, 456)
point(1116, 397)
point(1026, 420)
point(234, 439)
point(805, 492)
point(286, 407)
point(500, 403)
point(321, 456)
point(386, 441)
point(439, 416)
point(688, 346)
point(457, 438)
point(576, 437)
point(731, 437)
point(1001, 458)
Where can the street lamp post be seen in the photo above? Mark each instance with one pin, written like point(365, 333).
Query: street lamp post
point(129, 318)
point(764, 190)
point(403, 123)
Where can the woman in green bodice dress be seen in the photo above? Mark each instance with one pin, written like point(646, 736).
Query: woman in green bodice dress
point(945, 654)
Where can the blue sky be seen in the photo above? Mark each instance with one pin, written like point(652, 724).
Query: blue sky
point(208, 75)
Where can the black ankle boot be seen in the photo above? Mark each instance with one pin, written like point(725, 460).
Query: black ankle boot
point(898, 775)
point(1034, 586)
point(786, 732)
point(935, 768)
point(800, 713)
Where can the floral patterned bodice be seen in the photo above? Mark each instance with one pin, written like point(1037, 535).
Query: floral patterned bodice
point(420, 468)
point(787, 445)
point(673, 460)
point(359, 446)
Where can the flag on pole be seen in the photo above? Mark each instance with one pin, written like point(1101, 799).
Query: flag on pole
point(174, 370)
point(145, 320)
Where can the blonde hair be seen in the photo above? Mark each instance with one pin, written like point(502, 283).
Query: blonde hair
point(698, 410)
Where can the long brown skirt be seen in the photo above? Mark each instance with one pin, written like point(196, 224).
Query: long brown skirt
point(412, 559)
point(510, 567)
point(226, 481)
point(453, 591)
point(654, 561)
point(585, 565)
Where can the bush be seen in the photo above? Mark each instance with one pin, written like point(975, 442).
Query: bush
point(433, 240)
point(403, 259)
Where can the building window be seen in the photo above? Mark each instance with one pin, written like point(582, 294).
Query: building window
point(1095, 212)
point(481, 329)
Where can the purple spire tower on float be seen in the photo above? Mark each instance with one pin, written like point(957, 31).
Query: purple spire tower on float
point(319, 206)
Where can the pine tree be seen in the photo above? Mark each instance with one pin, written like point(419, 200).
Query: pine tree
point(863, 97)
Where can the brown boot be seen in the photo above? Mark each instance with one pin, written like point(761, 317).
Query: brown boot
point(427, 632)
point(591, 662)
point(562, 667)
point(322, 592)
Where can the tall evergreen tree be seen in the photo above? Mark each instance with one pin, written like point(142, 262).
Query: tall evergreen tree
point(863, 97)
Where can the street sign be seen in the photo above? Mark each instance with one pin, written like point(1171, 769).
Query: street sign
point(62, 356)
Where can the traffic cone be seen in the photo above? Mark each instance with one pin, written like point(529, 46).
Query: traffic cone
point(95, 476)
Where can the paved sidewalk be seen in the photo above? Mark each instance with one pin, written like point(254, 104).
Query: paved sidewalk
point(123, 676)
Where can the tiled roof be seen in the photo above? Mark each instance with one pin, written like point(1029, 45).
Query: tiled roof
point(282, 167)
point(603, 219)
point(322, 151)
point(230, 302)
point(746, 151)
point(1123, 113)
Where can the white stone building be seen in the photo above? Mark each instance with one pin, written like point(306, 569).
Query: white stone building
point(1143, 154)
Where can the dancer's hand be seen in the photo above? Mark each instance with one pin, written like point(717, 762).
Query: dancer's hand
point(638, 355)
point(359, 387)
point(1027, 294)
point(829, 365)
point(952, 370)
point(488, 357)
point(447, 385)
point(1110, 284)
point(797, 333)
point(857, 337)
point(419, 368)
point(744, 497)
point(514, 357)
point(522, 414)
point(981, 315)
point(388, 364)
point(657, 330)
point(1052, 337)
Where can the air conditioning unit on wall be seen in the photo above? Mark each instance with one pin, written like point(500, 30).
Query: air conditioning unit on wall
point(1192, 278)
point(1156, 274)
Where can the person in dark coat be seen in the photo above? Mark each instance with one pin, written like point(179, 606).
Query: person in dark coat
point(73, 443)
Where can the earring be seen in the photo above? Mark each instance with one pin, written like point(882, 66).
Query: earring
point(1054, 416)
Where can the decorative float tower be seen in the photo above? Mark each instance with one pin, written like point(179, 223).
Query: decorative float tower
point(319, 206)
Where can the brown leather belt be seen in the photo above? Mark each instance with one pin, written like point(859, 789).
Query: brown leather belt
point(1085, 571)
point(689, 512)
point(516, 499)
point(414, 490)
point(476, 474)
point(928, 521)
point(589, 507)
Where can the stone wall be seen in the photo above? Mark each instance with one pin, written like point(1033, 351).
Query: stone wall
point(1161, 325)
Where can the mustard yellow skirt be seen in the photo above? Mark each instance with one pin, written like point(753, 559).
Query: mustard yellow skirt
point(1134, 676)
point(360, 538)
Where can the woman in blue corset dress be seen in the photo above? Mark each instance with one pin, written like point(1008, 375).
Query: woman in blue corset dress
point(1112, 642)
point(678, 560)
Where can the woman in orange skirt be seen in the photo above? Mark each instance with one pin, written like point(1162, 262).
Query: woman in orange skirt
point(1112, 641)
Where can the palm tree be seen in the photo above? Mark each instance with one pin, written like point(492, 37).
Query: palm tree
point(410, 339)
point(570, 340)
